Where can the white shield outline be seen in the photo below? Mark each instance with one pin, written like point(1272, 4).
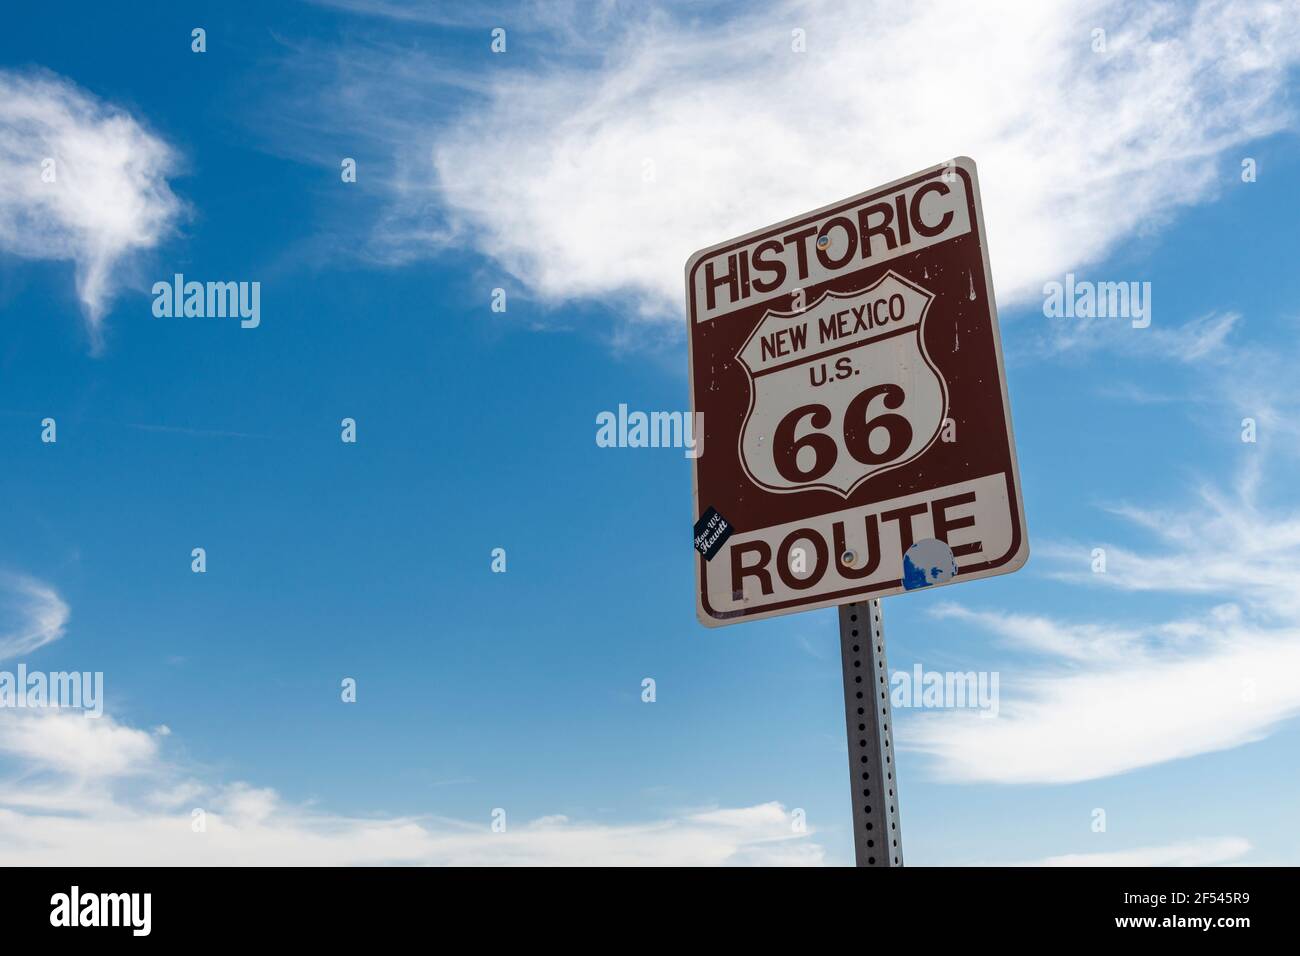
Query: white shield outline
point(925, 356)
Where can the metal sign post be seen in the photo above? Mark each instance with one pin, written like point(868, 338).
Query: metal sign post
point(877, 836)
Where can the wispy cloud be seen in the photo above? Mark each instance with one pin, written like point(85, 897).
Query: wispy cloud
point(1226, 544)
point(33, 615)
point(1106, 698)
point(1205, 852)
point(1250, 377)
point(1203, 339)
point(72, 803)
point(1191, 687)
point(109, 197)
point(85, 792)
point(594, 175)
point(195, 432)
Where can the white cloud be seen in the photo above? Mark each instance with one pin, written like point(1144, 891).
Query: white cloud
point(1252, 378)
point(114, 835)
point(1199, 341)
point(1206, 852)
point(89, 792)
point(79, 825)
point(1227, 685)
point(69, 742)
point(34, 615)
point(1078, 150)
point(109, 198)
point(1115, 698)
point(1225, 545)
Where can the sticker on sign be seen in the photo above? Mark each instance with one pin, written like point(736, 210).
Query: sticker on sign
point(848, 368)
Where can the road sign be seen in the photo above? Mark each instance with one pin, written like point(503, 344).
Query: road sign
point(857, 433)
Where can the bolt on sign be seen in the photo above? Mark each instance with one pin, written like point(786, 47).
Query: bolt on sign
point(858, 440)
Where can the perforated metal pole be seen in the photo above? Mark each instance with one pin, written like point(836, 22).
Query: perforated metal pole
point(877, 836)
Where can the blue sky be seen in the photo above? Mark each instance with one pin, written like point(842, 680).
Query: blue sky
point(577, 171)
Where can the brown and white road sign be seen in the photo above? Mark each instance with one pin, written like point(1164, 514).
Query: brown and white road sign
point(857, 433)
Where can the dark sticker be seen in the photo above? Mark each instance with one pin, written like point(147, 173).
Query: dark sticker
point(711, 533)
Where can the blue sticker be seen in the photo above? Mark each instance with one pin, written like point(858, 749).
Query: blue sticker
point(928, 562)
